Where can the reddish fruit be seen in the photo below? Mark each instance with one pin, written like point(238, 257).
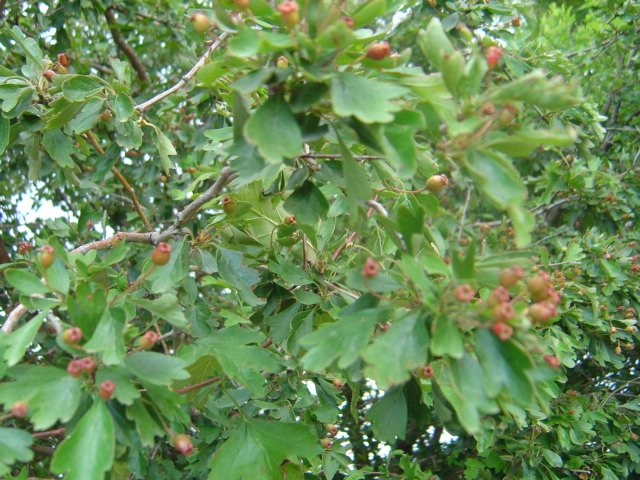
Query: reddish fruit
point(282, 62)
point(426, 371)
point(183, 444)
point(289, 13)
point(62, 59)
point(552, 361)
point(332, 429)
point(502, 330)
point(488, 109)
point(498, 296)
point(71, 336)
point(464, 293)
point(326, 443)
point(46, 256)
point(241, 4)
point(105, 116)
point(19, 409)
point(87, 364)
point(228, 205)
point(106, 389)
point(493, 56)
point(338, 383)
point(290, 219)
point(542, 312)
point(370, 268)
point(74, 369)
point(378, 51)
point(503, 312)
point(348, 21)
point(437, 183)
point(48, 74)
point(161, 254)
point(24, 247)
point(515, 21)
point(148, 339)
point(200, 22)
point(510, 276)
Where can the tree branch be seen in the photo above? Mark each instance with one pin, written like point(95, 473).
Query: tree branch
point(186, 77)
point(196, 386)
point(124, 47)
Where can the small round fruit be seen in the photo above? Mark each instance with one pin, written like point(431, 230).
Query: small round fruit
point(46, 256)
point(19, 409)
point(282, 62)
point(631, 329)
point(148, 339)
point(241, 4)
point(515, 21)
point(426, 371)
point(338, 383)
point(618, 350)
point(552, 361)
point(502, 330)
point(289, 13)
point(326, 443)
point(538, 286)
point(200, 22)
point(348, 21)
point(87, 364)
point(498, 296)
point(332, 429)
point(503, 312)
point(71, 336)
point(161, 254)
point(507, 114)
point(370, 268)
point(290, 219)
point(464, 293)
point(105, 116)
point(49, 74)
point(60, 69)
point(228, 205)
point(510, 276)
point(378, 51)
point(74, 369)
point(106, 389)
point(436, 183)
point(183, 444)
point(542, 312)
point(493, 56)
point(62, 59)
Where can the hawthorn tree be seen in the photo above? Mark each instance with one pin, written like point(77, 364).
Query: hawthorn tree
point(328, 239)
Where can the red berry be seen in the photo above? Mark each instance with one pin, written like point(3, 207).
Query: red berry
point(71, 336)
point(289, 13)
point(62, 59)
point(515, 21)
point(348, 21)
point(74, 369)
point(241, 4)
point(502, 330)
point(19, 409)
point(503, 312)
point(46, 256)
point(510, 276)
point(161, 254)
point(87, 364)
point(183, 444)
point(338, 383)
point(426, 371)
point(49, 74)
point(498, 296)
point(437, 183)
point(552, 361)
point(370, 268)
point(493, 56)
point(228, 205)
point(542, 312)
point(378, 51)
point(148, 339)
point(464, 293)
point(106, 389)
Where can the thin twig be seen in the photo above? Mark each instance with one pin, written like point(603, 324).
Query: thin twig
point(13, 318)
point(186, 77)
point(48, 433)
point(196, 386)
point(128, 188)
point(124, 47)
point(377, 207)
point(351, 237)
point(332, 156)
point(464, 213)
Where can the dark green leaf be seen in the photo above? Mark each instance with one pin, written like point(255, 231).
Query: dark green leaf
point(26, 282)
point(388, 416)
point(307, 203)
point(156, 368)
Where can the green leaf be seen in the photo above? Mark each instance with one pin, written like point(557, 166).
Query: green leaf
point(446, 338)
point(108, 337)
point(156, 368)
point(504, 368)
point(395, 353)
point(274, 130)
point(435, 44)
point(27, 283)
point(355, 178)
point(89, 114)
point(18, 341)
point(62, 111)
point(535, 88)
point(88, 451)
point(123, 107)
point(367, 99)
point(307, 203)
point(523, 224)
point(388, 416)
point(59, 147)
point(166, 307)
point(14, 447)
point(5, 128)
point(165, 148)
point(37, 386)
point(79, 87)
point(245, 43)
point(237, 275)
point(256, 449)
point(58, 277)
point(368, 12)
point(147, 427)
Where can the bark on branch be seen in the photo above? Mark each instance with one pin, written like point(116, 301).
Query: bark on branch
point(123, 46)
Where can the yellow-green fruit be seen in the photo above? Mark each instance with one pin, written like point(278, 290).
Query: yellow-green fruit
point(289, 13)
point(46, 256)
point(437, 183)
point(200, 22)
point(228, 205)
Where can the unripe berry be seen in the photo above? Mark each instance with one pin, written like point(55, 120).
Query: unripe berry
point(538, 286)
point(61, 69)
point(161, 254)
point(183, 444)
point(46, 256)
point(282, 62)
point(148, 339)
point(105, 116)
point(503, 312)
point(19, 409)
point(71, 336)
point(493, 56)
point(378, 51)
point(498, 296)
point(290, 219)
point(241, 4)
point(426, 371)
point(87, 364)
point(370, 268)
point(510, 276)
point(464, 293)
point(618, 350)
point(326, 443)
point(502, 330)
point(200, 22)
point(437, 183)
point(552, 361)
point(542, 312)
point(631, 329)
point(332, 429)
point(74, 369)
point(106, 389)
point(338, 383)
point(289, 13)
point(506, 115)
point(228, 205)
point(48, 74)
